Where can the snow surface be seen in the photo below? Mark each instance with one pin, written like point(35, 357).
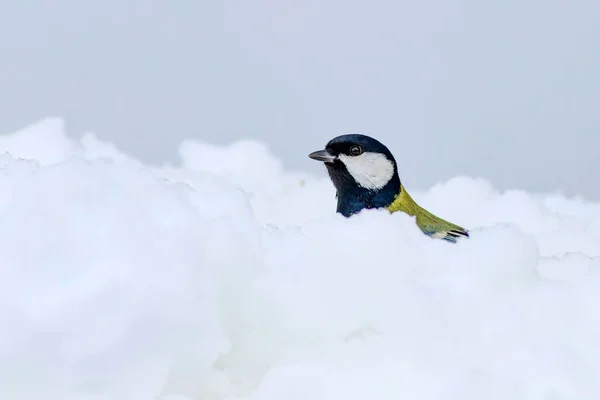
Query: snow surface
point(227, 277)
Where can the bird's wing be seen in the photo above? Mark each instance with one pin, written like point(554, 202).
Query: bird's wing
point(450, 236)
point(436, 227)
point(429, 223)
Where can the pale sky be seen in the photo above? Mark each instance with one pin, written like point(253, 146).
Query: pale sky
point(505, 90)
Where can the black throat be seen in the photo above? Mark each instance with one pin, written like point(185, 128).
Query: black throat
point(352, 198)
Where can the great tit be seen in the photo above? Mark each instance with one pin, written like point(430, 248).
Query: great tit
point(365, 175)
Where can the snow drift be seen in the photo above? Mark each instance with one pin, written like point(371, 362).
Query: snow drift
point(227, 277)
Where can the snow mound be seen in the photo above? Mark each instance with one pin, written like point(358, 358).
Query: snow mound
point(228, 277)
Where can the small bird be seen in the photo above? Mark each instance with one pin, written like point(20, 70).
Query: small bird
point(365, 175)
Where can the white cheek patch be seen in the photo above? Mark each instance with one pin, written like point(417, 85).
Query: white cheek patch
point(370, 170)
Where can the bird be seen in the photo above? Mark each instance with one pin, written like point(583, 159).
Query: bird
point(365, 175)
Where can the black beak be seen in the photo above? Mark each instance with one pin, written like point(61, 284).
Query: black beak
point(323, 155)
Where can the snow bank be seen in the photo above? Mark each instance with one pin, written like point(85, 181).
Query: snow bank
point(227, 277)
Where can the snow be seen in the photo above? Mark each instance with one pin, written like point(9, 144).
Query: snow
point(228, 277)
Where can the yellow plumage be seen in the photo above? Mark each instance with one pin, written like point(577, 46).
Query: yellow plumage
point(428, 222)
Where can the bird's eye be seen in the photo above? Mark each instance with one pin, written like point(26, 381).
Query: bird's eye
point(356, 150)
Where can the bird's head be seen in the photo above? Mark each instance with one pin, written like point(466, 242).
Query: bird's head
point(363, 171)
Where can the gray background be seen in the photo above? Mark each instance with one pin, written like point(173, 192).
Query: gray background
point(507, 90)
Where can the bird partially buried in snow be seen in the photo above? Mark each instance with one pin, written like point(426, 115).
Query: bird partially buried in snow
point(365, 175)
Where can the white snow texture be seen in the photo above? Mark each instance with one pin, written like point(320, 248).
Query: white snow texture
point(227, 277)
